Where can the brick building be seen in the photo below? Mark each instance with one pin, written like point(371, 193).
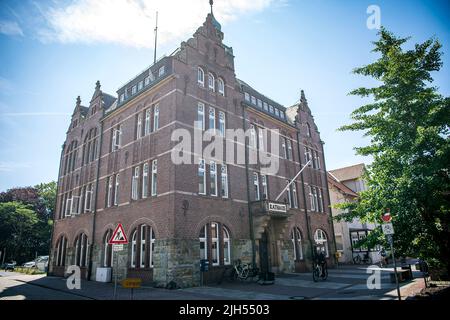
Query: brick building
point(117, 167)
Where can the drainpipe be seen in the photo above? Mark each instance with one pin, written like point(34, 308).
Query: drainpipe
point(250, 213)
point(54, 213)
point(308, 227)
point(91, 252)
point(329, 199)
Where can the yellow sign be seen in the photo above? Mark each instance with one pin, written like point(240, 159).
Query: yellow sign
point(131, 283)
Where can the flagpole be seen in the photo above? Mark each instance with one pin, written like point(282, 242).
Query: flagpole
point(293, 179)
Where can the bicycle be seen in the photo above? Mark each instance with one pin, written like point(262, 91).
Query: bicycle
point(243, 271)
point(320, 271)
point(366, 259)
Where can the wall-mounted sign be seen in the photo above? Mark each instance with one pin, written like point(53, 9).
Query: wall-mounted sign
point(277, 207)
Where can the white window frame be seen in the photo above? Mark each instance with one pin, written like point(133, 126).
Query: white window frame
point(161, 71)
point(320, 201)
point(261, 139)
point(224, 181)
point(211, 82)
point(156, 117)
point(212, 118)
point(145, 180)
point(204, 240)
point(109, 193)
point(215, 240)
point(253, 100)
point(283, 146)
point(222, 123)
point(294, 194)
point(259, 103)
point(256, 186)
point(202, 170)
point(68, 211)
point(308, 156)
point(135, 184)
point(154, 177)
point(290, 154)
point(152, 245)
point(311, 199)
point(116, 190)
point(201, 77)
point(296, 238)
point(252, 141)
point(148, 122)
point(133, 89)
point(226, 246)
point(133, 249)
point(140, 85)
point(221, 86)
point(289, 194)
point(142, 246)
point(247, 96)
point(200, 116)
point(213, 178)
point(139, 126)
point(264, 186)
point(89, 192)
point(316, 202)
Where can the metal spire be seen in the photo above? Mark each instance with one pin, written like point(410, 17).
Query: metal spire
point(211, 2)
point(156, 37)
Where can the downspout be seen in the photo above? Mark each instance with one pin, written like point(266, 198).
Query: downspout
point(329, 200)
point(54, 213)
point(91, 252)
point(308, 227)
point(250, 213)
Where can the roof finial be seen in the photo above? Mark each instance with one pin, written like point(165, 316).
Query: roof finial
point(78, 101)
point(97, 85)
point(302, 96)
point(211, 2)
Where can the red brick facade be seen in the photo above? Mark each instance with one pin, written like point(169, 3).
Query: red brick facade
point(177, 214)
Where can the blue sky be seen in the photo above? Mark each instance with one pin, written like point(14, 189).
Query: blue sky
point(53, 51)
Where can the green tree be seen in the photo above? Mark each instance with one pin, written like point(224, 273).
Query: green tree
point(47, 194)
point(408, 125)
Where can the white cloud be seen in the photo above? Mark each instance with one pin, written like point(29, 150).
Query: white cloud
point(132, 22)
point(33, 114)
point(10, 28)
point(13, 166)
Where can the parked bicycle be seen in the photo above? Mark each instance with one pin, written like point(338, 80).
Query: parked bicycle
point(320, 271)
point(366, 259)
point(243, 271)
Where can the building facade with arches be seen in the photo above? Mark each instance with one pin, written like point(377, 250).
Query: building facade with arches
point(116, 167)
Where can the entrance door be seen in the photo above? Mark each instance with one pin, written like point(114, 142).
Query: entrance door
point(264, 253)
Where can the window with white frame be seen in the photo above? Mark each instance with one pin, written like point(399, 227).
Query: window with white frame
point(321, 205)
point(215, 244)
point(133, 89)
point(140, 85)
point(154, 177)
point(116, 138)
point(61, 250)
point(256, 186)
point(252, 141)
point(277, 112)
point(211, 82)
point(271, 109)
point(201, 177)
point(68, 212)
point(294, 195)
point(222, 123)
point(133, 249)
point(203, 238)
point(265, 190)
point(212, 118)
point(139, 126)
point(289, 149)
point(147, 123)
point(88, 198)
point(200, 124)
point(308, 156)
point(316, 202)
point(142, 255)
point(147, 81)
point(109, 193)
point(122, 97)
point(201, 77)
point(282, 115)
point(224, 181)
point(261, 139)
point(311, 199)
point(265, 106)
point(308, 130)
point(289, 194)
point(116, 190)
point(321, 240)
point(296, 238)
point(108, 253)
point(259, 103)
point(246, 96)
point(75, 205)
point(221, 86)
point(145, 180)
point(161, 71)
point(156, 117)
point(283, 148)
point(213, 178)
point(135, 184)
point(81, 250)
point(226, 246)
point(253, 100)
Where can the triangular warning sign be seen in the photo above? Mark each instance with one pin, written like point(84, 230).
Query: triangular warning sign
point(119, 236)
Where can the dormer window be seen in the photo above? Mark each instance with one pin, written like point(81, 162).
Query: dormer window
point(201, 77)
point(162, 71)
point(140, 85)
point(211, 82)
point(260, 104)
point(253, 100)
point(271, 109)
point(246, 96)
point(277, 112)
point(221, 86)
point(122, 97)
point(133, 89)
point(266, 106)
point(282, 114)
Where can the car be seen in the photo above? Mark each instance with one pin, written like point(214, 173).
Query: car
point(31, 264)
point(10, 266)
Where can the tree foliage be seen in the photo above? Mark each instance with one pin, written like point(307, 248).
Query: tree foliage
point(408, 125)
point(26, 221)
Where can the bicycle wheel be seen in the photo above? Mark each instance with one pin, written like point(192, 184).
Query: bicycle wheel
point(369, 260)
point(316, 273)
point(357, 259)
point(324, 272)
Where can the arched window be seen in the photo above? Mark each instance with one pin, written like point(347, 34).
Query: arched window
point(308, 130)
point(90, 146)
point(211, 82)
point(221, 86)
point(108, 254)
point(61, 248)
point(296, 238)
point(201, 77)
point(215, 244)
point(320, 238)
point(142, 247)
point(81, 250)
point(70, 157)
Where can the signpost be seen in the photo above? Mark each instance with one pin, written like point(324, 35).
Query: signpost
point(131, 283)
point(388, 230)
point(118, 239)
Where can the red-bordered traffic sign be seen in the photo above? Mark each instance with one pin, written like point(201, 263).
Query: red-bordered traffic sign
point(386, 217)
point(119, 236)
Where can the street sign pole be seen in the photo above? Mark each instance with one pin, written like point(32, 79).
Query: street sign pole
point(115, 274)
point(391, 241)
